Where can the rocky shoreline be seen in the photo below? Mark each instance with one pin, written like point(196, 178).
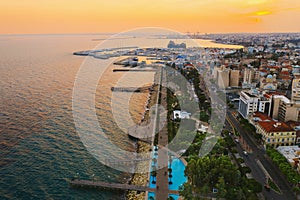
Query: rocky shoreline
point(142, 147)
point(139, 178)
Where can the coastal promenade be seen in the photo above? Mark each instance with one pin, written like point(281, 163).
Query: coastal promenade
point(162, 182)
point(148, 135)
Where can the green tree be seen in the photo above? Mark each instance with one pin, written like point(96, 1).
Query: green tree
point(210, 172)
point(221, 186)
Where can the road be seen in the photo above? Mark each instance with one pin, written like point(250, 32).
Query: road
point(259, 154)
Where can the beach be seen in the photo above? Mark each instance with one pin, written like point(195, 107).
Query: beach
point(143, 147)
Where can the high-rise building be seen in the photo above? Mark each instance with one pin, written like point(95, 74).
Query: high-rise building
point(226, 77)
point(284, 109)
point(250, 78)
point(288, 111)
point(222, 76)
point(251, 102)
point(275, 106)
point(296, 90)
point(256, 75)
point(248, 104)
point(234, 78)
point(247, 76)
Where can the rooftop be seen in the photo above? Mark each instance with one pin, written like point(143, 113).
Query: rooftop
point(262, 116)
point(273, 126)
point(293, 123)
point(250, 95)
point(283, 98)
point(291, 153)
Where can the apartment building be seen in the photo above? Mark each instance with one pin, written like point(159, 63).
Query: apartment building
point(276, 133)
point(252, 101)
point(296, 90)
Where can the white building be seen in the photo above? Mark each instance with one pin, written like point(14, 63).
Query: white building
point(251, 101)
point(291, 153)
point(177, 114)
point(248, 104)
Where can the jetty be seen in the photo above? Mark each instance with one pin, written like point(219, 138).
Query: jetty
point(134, 70)
point(133, 162)
point(109, 185)
point(132, 89)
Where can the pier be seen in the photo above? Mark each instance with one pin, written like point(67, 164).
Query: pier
point(132, 89)
point(108, 185)
point(134, 70)
point(112, 162)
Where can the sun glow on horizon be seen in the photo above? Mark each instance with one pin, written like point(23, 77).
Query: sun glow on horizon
point(260, 13)
point(66, 16)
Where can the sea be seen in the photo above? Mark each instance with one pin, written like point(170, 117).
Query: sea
point(40, 147)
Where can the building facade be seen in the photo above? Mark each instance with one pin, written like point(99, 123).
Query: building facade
point(296, 90)
point(234, 78)
point(252, 102)
point(276, 134)
point(223, 78)
point(288, 111)
point(248, 104)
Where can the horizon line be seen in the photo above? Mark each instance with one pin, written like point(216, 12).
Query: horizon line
point(113, 33)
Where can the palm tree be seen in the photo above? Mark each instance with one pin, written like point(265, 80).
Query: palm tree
point(170, 175)
point(153, 174)
point(154, 160)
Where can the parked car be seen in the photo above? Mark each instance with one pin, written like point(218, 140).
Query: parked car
point(267, 187)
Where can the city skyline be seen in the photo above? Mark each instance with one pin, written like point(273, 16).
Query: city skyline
point(204, 16)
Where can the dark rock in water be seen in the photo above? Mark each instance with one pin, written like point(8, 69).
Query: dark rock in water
point(173, 45)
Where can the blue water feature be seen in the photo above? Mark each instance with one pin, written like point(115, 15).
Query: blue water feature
point(153, 164)
point(177, 178)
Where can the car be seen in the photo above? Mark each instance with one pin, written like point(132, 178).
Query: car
point(267, 187)
point(245, 153)
point(237, 140)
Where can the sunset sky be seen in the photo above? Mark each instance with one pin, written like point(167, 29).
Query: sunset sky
point(93, 16)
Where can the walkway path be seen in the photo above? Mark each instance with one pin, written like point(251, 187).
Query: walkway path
point(162, 182)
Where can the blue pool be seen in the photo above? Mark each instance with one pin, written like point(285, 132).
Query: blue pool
point(177, 178)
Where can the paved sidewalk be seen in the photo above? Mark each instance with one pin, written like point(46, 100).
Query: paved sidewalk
point(162, 181)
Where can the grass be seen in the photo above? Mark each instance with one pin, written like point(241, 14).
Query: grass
point(236, 133)
point(172, 129)
point(273, 186)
